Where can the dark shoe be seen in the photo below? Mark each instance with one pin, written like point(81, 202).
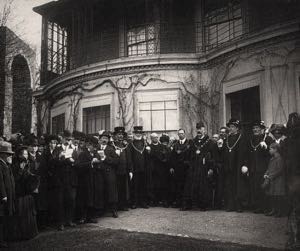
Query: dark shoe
point(70, 224)
point(258, 211)
point(239, 210)
point(115, 214)
point(125, 209)
point(3, 245)
point(61, 228)
point(145, 206)
point(82, 221)
point(92, 221)
point(229, 210)
point(133, 206)
point(271, 213)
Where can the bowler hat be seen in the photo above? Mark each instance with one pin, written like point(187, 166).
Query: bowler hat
point(138, 129)
point(234, 122)
point(5, 147)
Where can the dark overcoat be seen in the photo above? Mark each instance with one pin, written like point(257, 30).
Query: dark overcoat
point(203, 154)
point(90, 180)
point(7, 189)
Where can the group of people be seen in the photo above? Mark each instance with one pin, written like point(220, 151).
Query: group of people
point(73, 178)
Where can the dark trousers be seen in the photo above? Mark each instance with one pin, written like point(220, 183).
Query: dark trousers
point(257, 193)
point(231, 200)
point(138, 189)
point(122, 184)
point(64, 204)
point(1, 229)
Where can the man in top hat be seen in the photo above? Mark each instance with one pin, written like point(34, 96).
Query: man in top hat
point(181, 164)
point(123, 170)
point(258, 162)
point(235, 168)
point(109, 160)
point(139, 166)
point(203, 173)
point(7, 187)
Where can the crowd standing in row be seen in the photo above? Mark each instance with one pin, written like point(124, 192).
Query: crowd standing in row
point(58, 180)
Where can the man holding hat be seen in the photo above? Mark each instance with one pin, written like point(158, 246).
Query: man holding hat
point(235, 168)
point(123, 170)
point(139, 166)
point(7, 187)
point(258, 162)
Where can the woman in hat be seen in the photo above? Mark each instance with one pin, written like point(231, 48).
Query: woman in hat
point(24, 223)
point(7, 189)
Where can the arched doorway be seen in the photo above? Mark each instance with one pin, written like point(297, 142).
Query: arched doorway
point(22, 96)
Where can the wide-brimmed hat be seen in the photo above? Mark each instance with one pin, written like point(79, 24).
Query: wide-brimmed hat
point(49, 138)
point(104, 134)
point(259, 123)
point(5, 147)
point(138, 129)
point(234, 122)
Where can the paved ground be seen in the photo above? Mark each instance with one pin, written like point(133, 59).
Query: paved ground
point(168, 229)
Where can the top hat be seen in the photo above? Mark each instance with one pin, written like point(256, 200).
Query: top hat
point(259, 123)
point(138, 129)
point(5, 147)
point(119, 129)
point(67, 134)
point(200, 125)
point(234, 122)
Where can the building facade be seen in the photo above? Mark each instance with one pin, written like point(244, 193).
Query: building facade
point(166, 64)
point(17, 80)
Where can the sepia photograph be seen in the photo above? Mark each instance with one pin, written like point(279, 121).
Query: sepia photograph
point(150, 125)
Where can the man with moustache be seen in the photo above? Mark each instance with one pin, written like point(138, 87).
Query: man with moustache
point(123, 169)
point(203, 153)
point(236, 173)
point(7, 188)
point(258, 164)
point(139, 167)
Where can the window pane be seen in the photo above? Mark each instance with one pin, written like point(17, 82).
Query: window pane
point(96, 118)
point(158, 120)
point(144, 106)
point(171, 104)
point(145, 120)
point(158, 106)
point(172, 120)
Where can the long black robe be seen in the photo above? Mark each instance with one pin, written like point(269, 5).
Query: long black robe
point(203, 155)
point(237, 186)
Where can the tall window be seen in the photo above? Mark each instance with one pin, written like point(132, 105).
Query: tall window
point(141, 40)
point(223, 24)
point(57, 48)
point(96, 118)
point(159, 115)
point(58, 124)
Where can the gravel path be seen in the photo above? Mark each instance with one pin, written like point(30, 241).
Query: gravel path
point(167, 229)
